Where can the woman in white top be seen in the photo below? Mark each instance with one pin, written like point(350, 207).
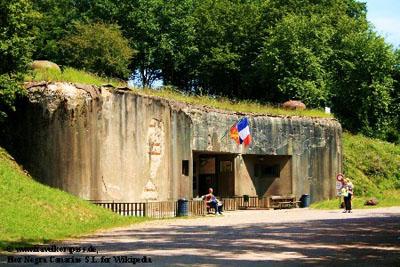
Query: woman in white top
point(349, 187)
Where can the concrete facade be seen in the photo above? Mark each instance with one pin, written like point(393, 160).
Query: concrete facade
point(102, 144)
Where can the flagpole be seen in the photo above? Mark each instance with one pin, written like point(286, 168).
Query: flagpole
point(231, 127)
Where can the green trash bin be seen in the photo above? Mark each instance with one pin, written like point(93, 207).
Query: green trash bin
point(305, 201)
point(183, 207)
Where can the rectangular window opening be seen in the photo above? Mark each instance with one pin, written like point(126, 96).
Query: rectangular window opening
point(262, 171)
point(185, 167)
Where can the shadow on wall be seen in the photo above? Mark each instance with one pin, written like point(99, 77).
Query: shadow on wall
point(270, 175)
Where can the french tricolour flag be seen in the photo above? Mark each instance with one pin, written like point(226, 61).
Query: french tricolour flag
point(242, 129)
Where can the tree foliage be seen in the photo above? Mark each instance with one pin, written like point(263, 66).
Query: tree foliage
point(17, 32)
point(324, 52)
point(98, 48)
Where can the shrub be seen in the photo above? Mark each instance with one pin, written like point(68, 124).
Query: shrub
point(98, 48)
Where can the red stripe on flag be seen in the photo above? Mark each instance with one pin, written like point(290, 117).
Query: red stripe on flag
point(247, 140)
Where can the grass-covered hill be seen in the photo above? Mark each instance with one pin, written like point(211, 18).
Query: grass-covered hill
point(373, 165)
point(374, 168)
point(34, 213)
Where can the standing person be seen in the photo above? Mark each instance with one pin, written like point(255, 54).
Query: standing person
point(349, 188)
point(345, 194)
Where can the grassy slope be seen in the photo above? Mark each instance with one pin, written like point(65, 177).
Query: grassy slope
point(34, 213)
point(73, 75)
point(374, 168)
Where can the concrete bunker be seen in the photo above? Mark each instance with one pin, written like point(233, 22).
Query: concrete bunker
point(116, 145)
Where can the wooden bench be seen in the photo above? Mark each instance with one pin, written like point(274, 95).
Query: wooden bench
point(284, 202)
point(209, 209)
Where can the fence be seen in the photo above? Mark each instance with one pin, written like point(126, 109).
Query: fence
point(197, 208)
point(164, 209)
point(168, 209)
point(125, 209)
point(252, 203)
point(229, 204)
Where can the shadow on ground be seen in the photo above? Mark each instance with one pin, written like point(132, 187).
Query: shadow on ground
point(350, 242)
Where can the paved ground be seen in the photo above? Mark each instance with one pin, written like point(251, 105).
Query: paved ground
point(294, 237)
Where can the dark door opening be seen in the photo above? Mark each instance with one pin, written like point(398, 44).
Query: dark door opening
point(213, 171)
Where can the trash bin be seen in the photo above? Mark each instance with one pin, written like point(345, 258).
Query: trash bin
point(245, 198)
point(183, 207)
point(305, 201)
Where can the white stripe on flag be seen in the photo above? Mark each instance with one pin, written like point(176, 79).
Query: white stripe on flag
point(244, 132)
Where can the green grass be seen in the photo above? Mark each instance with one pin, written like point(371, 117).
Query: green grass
point(79, 76)
point(32, 213)
point(388, 199)
point(71, 75)
point(374, 168)
point(244, 106)
point(373, 165)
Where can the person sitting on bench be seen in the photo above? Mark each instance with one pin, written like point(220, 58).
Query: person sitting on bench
point(212, 201)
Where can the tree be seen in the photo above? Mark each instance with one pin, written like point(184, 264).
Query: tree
point(58, 17)
point(325, 53)
point(178, 45)
point(139, 20)
point(322, 52)
point(17, 31)
point(293, 58)
point(98, 48)
point(362, 82)
point(227, 38)
point(393, 133)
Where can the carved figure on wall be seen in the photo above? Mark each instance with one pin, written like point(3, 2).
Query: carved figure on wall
point(155, 141)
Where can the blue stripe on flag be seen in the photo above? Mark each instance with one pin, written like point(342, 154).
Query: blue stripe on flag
point(242, 124)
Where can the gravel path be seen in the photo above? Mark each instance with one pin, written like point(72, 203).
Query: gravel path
point(295, 237)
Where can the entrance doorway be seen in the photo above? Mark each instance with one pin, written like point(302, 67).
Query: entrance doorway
point(213, 170)
point(270, 174)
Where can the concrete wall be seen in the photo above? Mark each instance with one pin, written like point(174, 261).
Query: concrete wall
point(261, 184)
point(313, 145)
point(104, 145)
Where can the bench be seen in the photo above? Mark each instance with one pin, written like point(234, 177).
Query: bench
point(220, 208)
point(284, 202)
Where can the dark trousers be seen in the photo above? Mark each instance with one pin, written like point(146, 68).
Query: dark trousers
point(214, 205)
point(347, 201)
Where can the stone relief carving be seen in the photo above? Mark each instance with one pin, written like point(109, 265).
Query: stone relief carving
point(155, 141)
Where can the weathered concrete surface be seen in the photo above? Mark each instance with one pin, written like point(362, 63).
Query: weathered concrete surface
point(118, 145)
point(313, 144)
point(297, 237)
point(100, 145)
